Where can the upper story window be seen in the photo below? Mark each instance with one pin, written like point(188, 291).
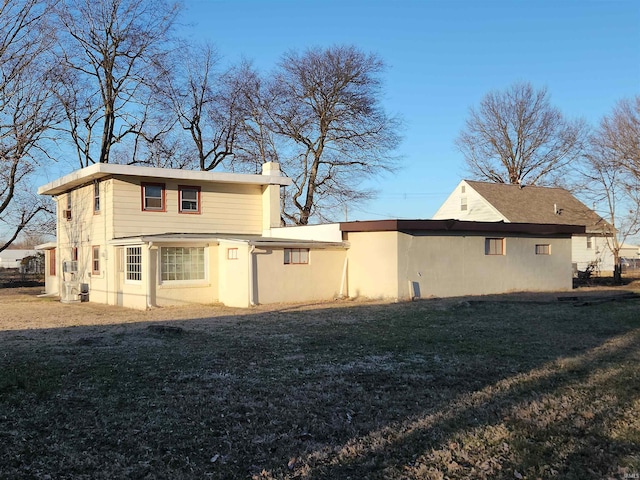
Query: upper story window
point(153, 197)
point(463, 203)
point(494, 246)
point(188, 199)
point(589, 242)
point(66, 213)
point(96, 197)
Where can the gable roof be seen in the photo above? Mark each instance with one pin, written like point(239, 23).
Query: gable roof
point(532, 204)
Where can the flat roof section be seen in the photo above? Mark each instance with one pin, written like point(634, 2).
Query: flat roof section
point(414, 226)
point(103, 170)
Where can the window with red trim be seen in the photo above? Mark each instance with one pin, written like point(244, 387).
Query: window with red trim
point(153, 197)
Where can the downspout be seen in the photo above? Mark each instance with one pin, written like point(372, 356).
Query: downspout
point(149, 246)
point(251, 275)
point(344, 278)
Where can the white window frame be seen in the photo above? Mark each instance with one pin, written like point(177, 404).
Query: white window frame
point(127, 264)
point(488, 243)
point(190, 188)
point(297, 256)
point(205, 270)
point(543, 249)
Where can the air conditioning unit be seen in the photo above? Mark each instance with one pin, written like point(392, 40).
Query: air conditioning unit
point(70, 266)
point(70, 292)
point(66, 214)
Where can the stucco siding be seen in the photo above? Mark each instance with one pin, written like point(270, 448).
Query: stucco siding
point(373, 264)
point(320, 279)
point(233, 275)
point(224, 209)
point(455, 265)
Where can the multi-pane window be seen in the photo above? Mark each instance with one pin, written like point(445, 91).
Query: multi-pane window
point(463, 203)
point(133, 264)
point(494, 246)
point(232, 253)
point(52, 262)
point(296, 256)
point(182, 263)
point(543, 249)
point(153, 196)
point(189, 199)
point(95, 260)
point(589, 242)
point(96, 197)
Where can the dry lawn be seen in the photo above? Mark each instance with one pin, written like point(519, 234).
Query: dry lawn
point(503, 387)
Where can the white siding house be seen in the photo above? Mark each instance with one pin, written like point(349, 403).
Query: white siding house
point(481, 201)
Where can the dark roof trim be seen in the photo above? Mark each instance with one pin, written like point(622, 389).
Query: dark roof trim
point(411, 226)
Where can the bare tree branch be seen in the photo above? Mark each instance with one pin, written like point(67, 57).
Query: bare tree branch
point(516, 136)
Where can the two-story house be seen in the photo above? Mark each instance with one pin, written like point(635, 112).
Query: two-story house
point(495, 202)
point(142, 237)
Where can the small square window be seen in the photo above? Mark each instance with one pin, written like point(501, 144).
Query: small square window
point(189, 199)
point(543, 249)
point(494, 246)
point(232, 253)
point(296, 256)
point(153, 197)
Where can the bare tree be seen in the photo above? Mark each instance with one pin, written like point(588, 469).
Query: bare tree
point(332, 133)
point(108, 54)
point(613, 174)
point(207, 102)
point(517, 136)
point(27, 113)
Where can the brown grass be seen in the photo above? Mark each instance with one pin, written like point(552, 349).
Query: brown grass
point(503, 387)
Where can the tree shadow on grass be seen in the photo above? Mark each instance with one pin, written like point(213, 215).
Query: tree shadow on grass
point(385, 391)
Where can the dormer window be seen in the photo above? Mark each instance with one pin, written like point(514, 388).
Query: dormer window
point(153, 197)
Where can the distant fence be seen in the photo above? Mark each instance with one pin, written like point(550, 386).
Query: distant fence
point(17, 277)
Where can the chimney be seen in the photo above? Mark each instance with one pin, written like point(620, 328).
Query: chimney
point(271, 168)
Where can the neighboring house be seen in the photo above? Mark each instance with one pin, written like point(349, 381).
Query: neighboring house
point(142, 237)
point(492, 202)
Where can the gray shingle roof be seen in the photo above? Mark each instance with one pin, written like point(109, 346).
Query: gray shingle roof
point(533, 204)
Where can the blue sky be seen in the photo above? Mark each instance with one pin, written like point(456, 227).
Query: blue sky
point(442, 58)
